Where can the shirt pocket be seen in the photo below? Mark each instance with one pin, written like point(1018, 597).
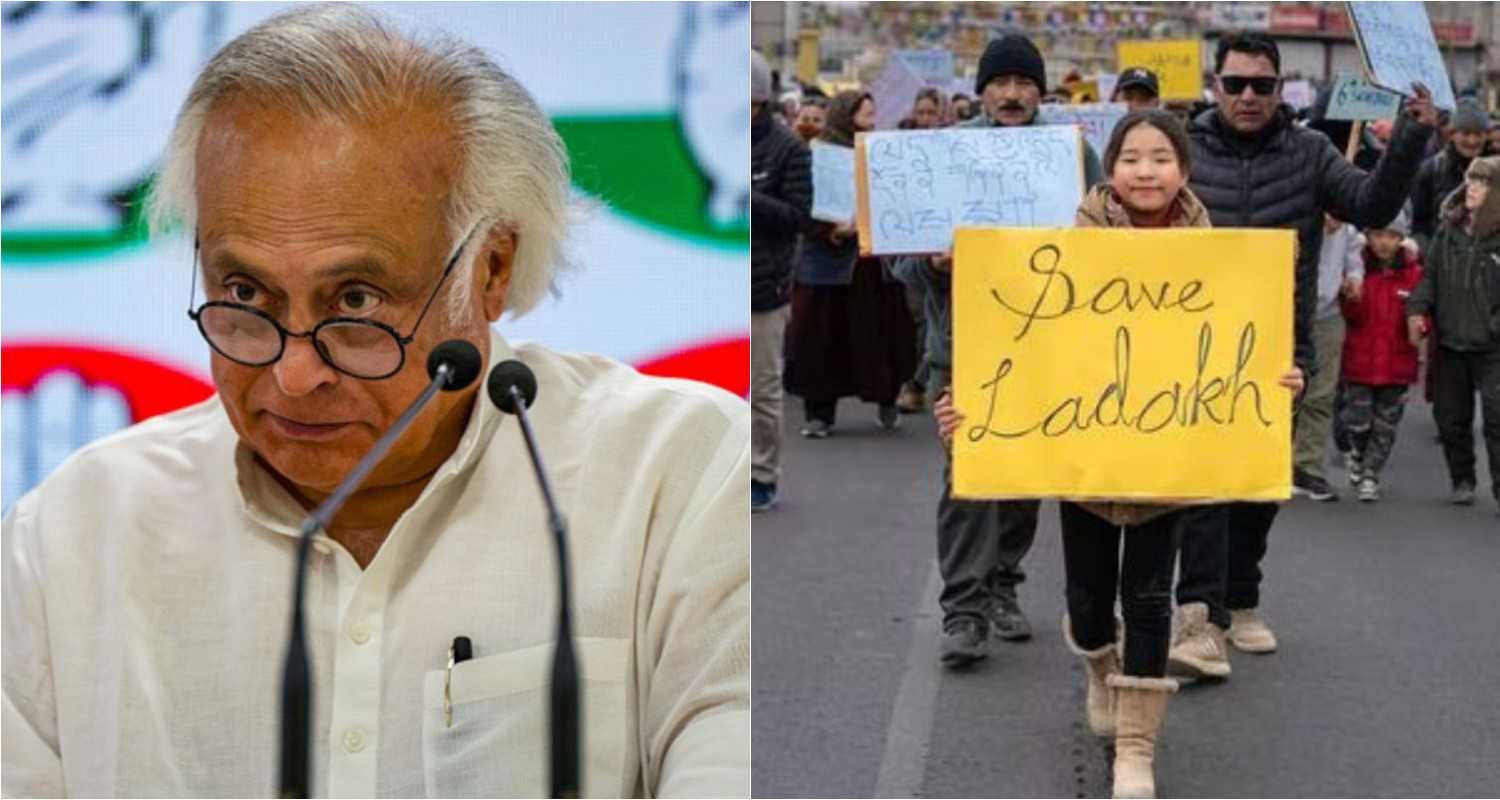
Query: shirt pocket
point(499, 742)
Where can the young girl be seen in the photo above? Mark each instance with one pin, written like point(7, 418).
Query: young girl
point(1460, 292)
point(1378, 361)
point(1147, 164)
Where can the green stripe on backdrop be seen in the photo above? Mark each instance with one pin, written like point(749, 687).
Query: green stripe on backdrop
point(639, 165)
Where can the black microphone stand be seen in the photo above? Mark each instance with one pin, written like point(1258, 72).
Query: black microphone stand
point(296, 681)
point(565, 733)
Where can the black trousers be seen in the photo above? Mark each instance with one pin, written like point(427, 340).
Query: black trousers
point(980, 544)
point(1456, 376)
point(1222, 547)
point(1096, 572)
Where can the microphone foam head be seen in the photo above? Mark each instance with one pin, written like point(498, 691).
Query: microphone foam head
point(462, 358)
point(507, 374)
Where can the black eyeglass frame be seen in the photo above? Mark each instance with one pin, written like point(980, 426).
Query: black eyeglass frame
point(1250, 82)
point(283, 334)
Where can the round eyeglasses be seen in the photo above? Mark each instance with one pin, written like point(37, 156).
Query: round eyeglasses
point(360, 348)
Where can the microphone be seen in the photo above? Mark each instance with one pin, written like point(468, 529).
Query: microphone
point(452, 365)
point(512, 387)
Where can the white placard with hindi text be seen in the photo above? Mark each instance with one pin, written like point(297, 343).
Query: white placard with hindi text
point(1399, 49)
point(1097, 120)
point(833, 182)
point(922, 185)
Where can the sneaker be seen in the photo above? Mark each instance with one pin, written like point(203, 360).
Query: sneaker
point(1198, 645)
point(1463, 495)
point(816, 429)
point(1007, 620)
point(1312, 487)
point(888, 417)
point(1369, 490)
point(762, 496)
point(1248, 633)
point(964, 642)
point(911, 400)
point(1354, 468)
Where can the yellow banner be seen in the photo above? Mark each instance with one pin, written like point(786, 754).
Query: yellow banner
point(1178, 64)
point(807, 56)
point(1114, 364)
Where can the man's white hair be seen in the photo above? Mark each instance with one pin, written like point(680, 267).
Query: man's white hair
point(344, 62)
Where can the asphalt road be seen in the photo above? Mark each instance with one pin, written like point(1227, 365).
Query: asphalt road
point(1387, 682)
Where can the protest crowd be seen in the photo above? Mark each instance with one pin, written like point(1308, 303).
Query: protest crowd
point(1397, 304)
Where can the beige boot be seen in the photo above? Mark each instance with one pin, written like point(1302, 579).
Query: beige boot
point(1198, 646)
point(1141, 704)
point(1102, 663)
point(1249, 633)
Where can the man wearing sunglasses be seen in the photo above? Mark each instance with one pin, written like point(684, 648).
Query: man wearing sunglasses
point(1254, 169)
point(359, 195)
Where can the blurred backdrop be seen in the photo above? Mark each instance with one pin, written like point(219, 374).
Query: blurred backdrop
point(651, 100)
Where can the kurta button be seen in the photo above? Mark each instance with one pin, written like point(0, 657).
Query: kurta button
point(354, 740)
point(360, 633)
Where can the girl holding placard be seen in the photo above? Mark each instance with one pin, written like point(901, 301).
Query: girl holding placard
point(1147, 162)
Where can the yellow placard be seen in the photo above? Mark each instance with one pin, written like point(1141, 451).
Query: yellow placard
point(1178, 64)
point(1118, 364)
point(808, 40)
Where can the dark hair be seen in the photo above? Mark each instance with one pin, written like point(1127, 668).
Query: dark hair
point(957, 96)
point(816, 101)
point(929, 93)
point(1164, 121)
point(1251, 42)
point(839, 129)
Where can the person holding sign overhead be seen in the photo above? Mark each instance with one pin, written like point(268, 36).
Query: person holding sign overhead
point(1253, 168)
point(981, 542)
point(850, 334)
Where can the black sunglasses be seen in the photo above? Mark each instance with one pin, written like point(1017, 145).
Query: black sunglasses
point(1235, 84)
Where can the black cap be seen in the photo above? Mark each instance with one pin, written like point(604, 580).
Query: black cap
point(1011, 54)
point(1139, 77)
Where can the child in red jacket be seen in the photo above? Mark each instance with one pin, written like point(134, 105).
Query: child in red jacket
point(1379, 361)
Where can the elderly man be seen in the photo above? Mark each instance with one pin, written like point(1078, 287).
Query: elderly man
point(1253, 168)
point(980, 544)
point(1444, 172)
point(357, 197)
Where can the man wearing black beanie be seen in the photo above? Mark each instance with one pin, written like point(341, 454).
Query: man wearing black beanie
point(981, 542)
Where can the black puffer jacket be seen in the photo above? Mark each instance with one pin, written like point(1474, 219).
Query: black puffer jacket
point(1437, 179)
point(1288, 180)
point(781, 183)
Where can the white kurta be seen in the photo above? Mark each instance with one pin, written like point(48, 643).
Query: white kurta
point(147, 594)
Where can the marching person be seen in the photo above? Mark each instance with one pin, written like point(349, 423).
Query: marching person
point(981, 543)
point(850, 333)
point(1254, 168)
point(1460, 291)
point(1147, 160)
point(781, 184)
point(1379, 361)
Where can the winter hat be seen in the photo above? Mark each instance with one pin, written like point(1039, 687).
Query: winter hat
point(1401, 224)
point(1469, 116)
point(760, 78)
point(1011, 54)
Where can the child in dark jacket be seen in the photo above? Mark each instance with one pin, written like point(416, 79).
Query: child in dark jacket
point(1379, 360)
